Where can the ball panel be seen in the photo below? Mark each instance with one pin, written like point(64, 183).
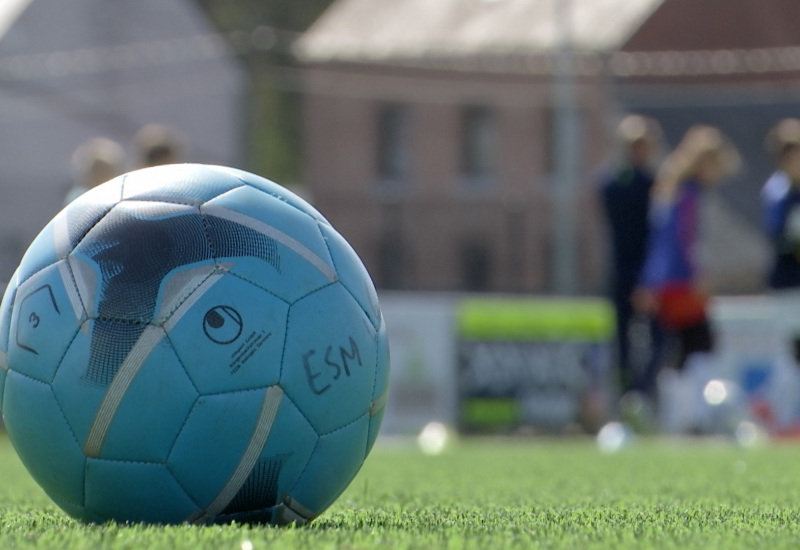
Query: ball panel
point(375, 422)
point(97, 199)
point(44, 319)
point(84, 213)
point(133, 248)
point(213, 441)
point(77, 511)
point(329, 361)
point(135, 492)
point(6, 310)
point(232, 235)
point(280, 215)
point(5, 325)
point(3, 374)
point(40, 254)
point(67, 228)
point(275, 190)
point(286, 453)
point(352, 274)
point(232, 337)
point(300, 248)
point(42, 437)
point(381, 390)
point(335, 462)
point(152, 411)
point(75, 384)
point(181, 288)
point(178, 183)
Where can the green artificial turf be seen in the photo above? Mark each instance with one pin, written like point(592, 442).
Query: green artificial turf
point(489, 494)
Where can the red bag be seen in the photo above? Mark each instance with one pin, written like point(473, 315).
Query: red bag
point(681, 306)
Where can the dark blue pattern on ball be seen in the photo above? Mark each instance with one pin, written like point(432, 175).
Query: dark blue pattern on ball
point(259, 492)
point(135, 254)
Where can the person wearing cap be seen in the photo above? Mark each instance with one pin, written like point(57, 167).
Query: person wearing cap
point(625, 186)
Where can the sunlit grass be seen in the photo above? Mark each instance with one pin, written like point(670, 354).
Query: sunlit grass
point(489, 494)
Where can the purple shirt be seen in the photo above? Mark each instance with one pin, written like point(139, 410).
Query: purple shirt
point(673, 237)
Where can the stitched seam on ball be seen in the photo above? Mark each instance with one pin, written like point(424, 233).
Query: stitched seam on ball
point(338, 279)
point(88, 230)
point(74, 283)
point(68, 501)
point(57, 402)
point(275, 196)
point(66, 350)
point(305, 466)
point(239, 390)
point(121, 320)
point(71, 251)
point(180, 361)
point(188, 414)
point(285, 342)
point(195, 405)
point(302, 413)
point(340, 428)
point(374, 386)
point(205, 219)
point(168, 315)
point(165, 199)
point(312, 292)
point(255, 284)
point(164, 465)
point(124, 461)
point(101, 218)
point(209, 240)
point(297, 408)
point(319, 439)
point(180, 430)
point(330, 252)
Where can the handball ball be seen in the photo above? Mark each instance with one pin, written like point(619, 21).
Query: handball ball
point(192, 343)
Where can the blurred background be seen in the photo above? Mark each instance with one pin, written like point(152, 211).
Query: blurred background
point(455, 145)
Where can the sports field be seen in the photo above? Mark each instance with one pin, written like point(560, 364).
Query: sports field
point(490, 494)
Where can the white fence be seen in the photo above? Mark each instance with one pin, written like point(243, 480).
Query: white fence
point(754, 351)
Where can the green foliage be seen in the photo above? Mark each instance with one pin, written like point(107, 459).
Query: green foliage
point(489, 494)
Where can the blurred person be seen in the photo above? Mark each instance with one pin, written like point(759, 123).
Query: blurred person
point(781, 207)
point(625, 187)
point(95, 161)
point(781, 200)
point(672, 285)
point(158, 144)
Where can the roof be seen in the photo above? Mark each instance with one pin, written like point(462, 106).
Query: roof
point(384, 30)
point(9, 11)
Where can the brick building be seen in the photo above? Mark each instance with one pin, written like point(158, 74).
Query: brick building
point(430, 130)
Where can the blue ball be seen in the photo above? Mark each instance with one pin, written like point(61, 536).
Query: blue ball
point(192, 343)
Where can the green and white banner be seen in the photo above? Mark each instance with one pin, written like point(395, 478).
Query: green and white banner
point(531, 363)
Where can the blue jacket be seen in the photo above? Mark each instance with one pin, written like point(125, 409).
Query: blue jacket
point(781, 203)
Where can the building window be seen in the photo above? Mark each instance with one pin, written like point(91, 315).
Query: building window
point(478, 147)
point(475, 266)
point(394, 162)
point(392, 263)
